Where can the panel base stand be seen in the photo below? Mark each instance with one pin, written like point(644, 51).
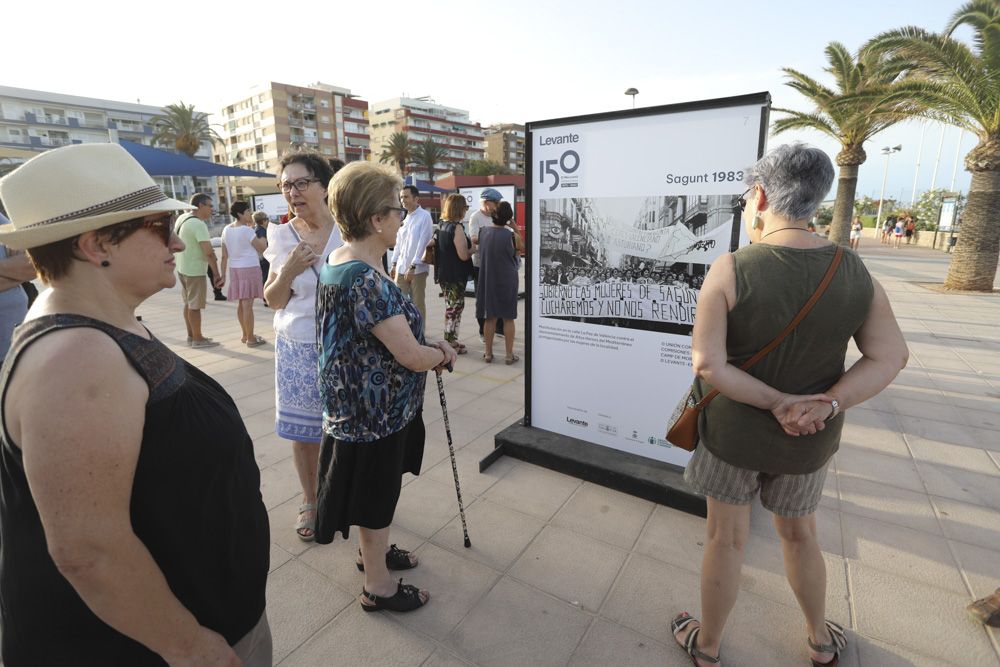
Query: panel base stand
point(659, 482)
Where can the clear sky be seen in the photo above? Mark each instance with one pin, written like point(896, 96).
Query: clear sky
point(511, 61)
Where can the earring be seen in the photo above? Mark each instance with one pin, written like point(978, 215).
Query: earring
point(377, 230)
point(756, 223)
point(105, 263)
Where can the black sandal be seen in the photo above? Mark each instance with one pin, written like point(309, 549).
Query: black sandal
point(407, 598)
point(395, 559)
point(838, 643)
point(690, 643)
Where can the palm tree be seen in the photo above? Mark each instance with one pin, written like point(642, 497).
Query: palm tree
point(183, 128)
point(429, 155)
point(850, 114)
point(954, 83)
point(397, 150)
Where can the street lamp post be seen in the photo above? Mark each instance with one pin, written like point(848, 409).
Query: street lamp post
point(887, 151)
point(633, 92)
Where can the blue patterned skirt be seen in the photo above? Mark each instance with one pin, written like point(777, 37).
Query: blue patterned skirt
point(299, 408)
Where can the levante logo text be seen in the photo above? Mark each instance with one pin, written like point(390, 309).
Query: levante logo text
point(570, 138)
point(578, 422)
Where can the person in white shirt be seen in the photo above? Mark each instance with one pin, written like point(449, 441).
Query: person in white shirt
point(241, 250)
point(407, 270)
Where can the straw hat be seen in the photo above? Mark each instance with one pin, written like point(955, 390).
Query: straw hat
point(76, 189)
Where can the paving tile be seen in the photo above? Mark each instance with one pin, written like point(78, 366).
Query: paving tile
point(973, 459)
point(970, 487)
point(489, 407)
point(573, 567)
point(425, 506)
point(279, 482)
point(356, 637)
point(673, 537)
point(472, 482)
point(876, 431)
point(533, 490)
point(888, 504)
point(443, 658)
point(299, 602)
point(877, 467)
point(546, 630)
point(456, 585)
point(968, 523)
point(270, 449)
point(608, 515)
point(938, 431)
point(498, 534)
point(648, 593)
point(901, 551)
point(880, 654)
point(611, 644)
point(278, 557)
point(923, 628)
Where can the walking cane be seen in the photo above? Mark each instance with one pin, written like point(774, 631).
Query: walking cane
point(454, 466)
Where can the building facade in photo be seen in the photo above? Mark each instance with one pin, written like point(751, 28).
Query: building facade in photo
point(505, 145)
point(422, 118)
point(37, 120)
point(277, 117)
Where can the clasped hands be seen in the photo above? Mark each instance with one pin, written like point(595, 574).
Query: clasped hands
point(803, 414)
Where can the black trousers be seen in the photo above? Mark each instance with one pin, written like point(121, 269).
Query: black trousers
point(211, 281)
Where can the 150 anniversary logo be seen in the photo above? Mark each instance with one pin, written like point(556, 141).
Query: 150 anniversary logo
point(564, 171)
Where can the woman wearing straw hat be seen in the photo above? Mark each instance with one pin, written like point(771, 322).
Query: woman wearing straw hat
point(131, 523)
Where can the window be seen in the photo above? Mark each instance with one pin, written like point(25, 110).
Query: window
point(327, 135)
point(324, 103)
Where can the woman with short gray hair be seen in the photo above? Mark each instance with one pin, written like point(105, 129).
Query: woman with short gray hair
point(773, 428)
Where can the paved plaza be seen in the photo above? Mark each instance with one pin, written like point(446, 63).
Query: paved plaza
point(565, 572)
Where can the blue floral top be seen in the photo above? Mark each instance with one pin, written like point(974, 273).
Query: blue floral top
point(367, 394)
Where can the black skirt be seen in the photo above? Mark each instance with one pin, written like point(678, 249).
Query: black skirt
point(359, 482)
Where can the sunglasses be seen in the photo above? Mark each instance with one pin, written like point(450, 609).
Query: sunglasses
point(162, 226)
point(741, 201)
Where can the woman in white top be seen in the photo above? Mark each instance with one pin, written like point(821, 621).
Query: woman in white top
point(856, 228)
point(241, 252)
point(295, 251)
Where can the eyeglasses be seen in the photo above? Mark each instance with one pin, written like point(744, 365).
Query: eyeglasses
point(398, 209)
point(741, 201)
point(299, 184)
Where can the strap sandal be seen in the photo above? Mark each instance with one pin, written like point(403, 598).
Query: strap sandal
point(512, 359)
point(837, 644)
point(395, 559)
point(255, 341)
point(303, 525)
point(690, 643)
point(488, 358)
point(459, 348)
point(986, 610)
point(407, 598)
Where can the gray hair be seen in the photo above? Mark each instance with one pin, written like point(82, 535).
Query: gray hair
point(796, 178)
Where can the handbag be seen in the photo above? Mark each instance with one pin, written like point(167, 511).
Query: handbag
point(430, 252)
point(683, 430)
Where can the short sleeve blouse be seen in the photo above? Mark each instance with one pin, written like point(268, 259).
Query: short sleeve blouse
point(367, 394)
point(297, 320)
point(238, 241)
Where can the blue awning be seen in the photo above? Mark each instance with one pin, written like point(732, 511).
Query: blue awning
point(163, 163)
point(423, 186)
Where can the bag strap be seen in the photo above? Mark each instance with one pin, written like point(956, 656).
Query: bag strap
point(823, 284)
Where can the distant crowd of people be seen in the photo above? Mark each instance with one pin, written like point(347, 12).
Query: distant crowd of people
point(558, 274)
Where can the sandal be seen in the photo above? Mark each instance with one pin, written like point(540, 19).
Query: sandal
point(690, 643)
point(306, 524)
point(407, 598)
point(511, 359)
point(986, 610)
point(459, 348)
point(488, 358)
point(255, 341)
point(395, 559)
point(838, 643)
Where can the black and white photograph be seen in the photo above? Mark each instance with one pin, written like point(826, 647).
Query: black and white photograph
point(632, 262)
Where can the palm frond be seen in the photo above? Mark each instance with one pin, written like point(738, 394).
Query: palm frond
point(798, 120)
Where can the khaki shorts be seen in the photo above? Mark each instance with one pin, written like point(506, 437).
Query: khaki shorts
point(785, 495)
point(193, 291)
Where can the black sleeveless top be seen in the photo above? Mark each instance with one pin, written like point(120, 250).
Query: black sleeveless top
point(196, 506)
point(450, 268)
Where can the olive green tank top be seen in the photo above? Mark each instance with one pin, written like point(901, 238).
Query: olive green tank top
point(772, 285)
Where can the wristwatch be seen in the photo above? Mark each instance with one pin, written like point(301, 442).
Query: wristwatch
point(835, 404)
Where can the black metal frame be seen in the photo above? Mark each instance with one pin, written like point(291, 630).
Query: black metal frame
point(678, 497)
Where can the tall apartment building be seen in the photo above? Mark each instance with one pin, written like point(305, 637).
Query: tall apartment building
point(276, 117)
point(422, 118)
point(505, 145)
point(38, 120)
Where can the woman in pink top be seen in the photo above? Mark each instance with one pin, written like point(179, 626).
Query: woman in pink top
point(241, 252)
